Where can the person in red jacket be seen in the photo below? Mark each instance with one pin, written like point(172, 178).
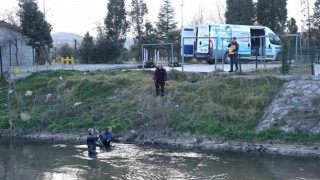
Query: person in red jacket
point(159, 78)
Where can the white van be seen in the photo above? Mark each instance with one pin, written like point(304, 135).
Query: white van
point(248, 38)
point(189, 43)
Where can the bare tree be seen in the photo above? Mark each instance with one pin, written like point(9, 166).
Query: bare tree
point(306, 13)
point(14, 39)
point(198, 17)
point(218, 14)
point(13, 36)
point(10, 16)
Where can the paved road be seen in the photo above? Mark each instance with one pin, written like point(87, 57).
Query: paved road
point(20, 72)
point(225, 67)
point(78, 67)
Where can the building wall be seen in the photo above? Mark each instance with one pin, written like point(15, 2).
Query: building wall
point(12, 39)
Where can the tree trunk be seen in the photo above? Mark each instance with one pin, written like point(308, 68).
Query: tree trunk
point(17, 51)
point(46, 54)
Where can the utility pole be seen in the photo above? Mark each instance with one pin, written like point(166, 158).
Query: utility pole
point(182, 14)
point(309, 22)
point(272, 16)
point(44, 8)
point(181, 37)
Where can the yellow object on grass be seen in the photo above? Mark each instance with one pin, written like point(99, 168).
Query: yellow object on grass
point(67, 60)
point(16, 70)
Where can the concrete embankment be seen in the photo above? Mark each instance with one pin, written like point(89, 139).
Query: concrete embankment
point(296, 107)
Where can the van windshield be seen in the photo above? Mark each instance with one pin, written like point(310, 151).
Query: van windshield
point(274, 39)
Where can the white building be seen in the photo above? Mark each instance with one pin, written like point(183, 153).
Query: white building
point(14, 48)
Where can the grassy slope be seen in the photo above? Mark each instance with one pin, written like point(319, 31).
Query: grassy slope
point(3, 109)
point(196, 103)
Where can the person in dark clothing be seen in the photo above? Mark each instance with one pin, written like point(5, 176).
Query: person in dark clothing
point(106, 138)
point(159, 78)
point(91, 142)
point(233, 53)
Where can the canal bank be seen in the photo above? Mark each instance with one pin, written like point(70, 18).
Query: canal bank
point(189, 141)
point(223, 111)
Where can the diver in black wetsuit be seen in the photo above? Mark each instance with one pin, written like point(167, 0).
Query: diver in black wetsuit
point(107, 138)
point(91, 142)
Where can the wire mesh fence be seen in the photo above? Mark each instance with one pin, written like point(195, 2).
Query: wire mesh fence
point(258, 55)
point(287, 55)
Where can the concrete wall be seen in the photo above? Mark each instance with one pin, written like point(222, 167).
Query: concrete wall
point(17, 42)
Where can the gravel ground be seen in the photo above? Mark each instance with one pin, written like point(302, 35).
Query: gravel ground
point(225, 67)
point(26, 71)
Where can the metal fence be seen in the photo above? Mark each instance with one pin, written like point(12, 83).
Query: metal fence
point(259, 56)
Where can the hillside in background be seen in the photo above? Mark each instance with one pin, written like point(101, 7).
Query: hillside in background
point(62, 38)
point(66, 38)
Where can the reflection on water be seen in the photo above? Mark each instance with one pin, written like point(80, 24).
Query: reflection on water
point(44, 160)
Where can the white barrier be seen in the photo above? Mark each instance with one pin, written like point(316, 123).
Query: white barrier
point(316, 69)
point(21, 72)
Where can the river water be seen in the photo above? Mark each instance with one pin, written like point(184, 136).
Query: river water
point(33, 159)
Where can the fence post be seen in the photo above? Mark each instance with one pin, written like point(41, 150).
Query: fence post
point(142, 56)
point(10, 55)
point(32, 47)
point(260, 49)
point(296, 58)
point(256, 61)
point(283, 68)
point(223, 54)
point(300, 59)
point(312, 68)
point(312, 65)
point(1, 62)
point(216, 53)
point(172, 55)
point(75, 51)
point(319, 56)
point(182, 53)
point(240, 63)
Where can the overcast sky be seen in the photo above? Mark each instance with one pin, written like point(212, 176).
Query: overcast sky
point(80, 16)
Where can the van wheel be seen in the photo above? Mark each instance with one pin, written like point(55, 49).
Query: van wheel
point(226, 59)
point(209, 61)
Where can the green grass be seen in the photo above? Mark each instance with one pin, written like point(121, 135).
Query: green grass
point(4, 124)
point(195, 103)
point(298, 137)
point(294, 70)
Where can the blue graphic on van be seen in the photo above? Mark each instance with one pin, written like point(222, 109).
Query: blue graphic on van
point(188, 49)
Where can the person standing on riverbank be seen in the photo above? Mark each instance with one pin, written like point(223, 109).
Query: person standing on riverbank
point(159, 78)
point(233, 53)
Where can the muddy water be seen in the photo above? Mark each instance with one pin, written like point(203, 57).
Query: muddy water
point(28, 159)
